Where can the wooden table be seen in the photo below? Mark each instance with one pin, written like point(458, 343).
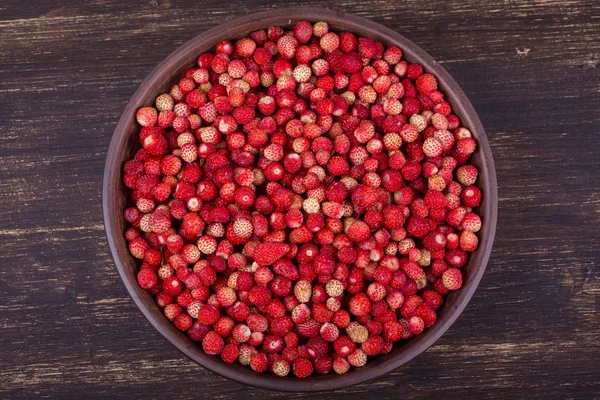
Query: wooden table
point(68, 327)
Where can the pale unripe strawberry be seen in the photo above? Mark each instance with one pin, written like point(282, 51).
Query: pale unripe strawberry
point(246, 353)
point(467, 175)
point(302, 73)
point(303, 291)
point(341, 365)
point(334, 288)
point(165, 102)
point(311, 205)
point(419, 122)
point(329, 42)
point(207, 244)
point(358, 358)
point(146, 116)
point(193, 308)
point(432, 147)
point(452, 279)
point(320, 29)
point(320, 67)
point(409, 133)
point(280, 368)
point(468, 240)
point(190, 253)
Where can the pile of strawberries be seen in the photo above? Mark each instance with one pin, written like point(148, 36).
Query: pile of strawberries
point(302, 200)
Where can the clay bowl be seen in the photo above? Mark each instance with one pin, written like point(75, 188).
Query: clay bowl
point(124, 143)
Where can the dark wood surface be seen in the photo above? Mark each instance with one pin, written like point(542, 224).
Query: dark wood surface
point(68, 327)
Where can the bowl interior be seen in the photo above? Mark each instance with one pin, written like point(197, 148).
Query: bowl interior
point(124, 144)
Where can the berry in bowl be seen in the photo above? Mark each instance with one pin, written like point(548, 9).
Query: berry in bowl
point(300, 204)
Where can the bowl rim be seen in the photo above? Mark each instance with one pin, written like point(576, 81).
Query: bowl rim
point(284, 17)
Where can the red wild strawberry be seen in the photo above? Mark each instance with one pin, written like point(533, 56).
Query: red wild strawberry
point(302, 368)
point(303, 31)
point(359, 231)
point(212, 343)
point(360, 305)
point(471, 196)
point(364, 196)
point(269, 252)
point(426, 83)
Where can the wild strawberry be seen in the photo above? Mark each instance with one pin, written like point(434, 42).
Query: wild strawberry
point(434, 241)
point(467, 174)
point(332, 209)
point(358, 358)
point(409, 133)
point(426, 83)
point(268, 253)
point(471, 222)
point(329, 42)
point(259, 362)
point(286, 46)
point(418, 226)
point(359, 231)
point(311, 205)
point(320, 67)
point(432, 147)
point(329, 332)
point(280, 368)
point(302, 73)
point(138, 247)
point(364, 196)
point(273, 152)
point(455, 217)
point(301, 235)
point(416, 325)
point(146, 116)
point(242, 229)
point(360, 305)
point(373, 345)
point(146, 279)
point(464, 145)
point(337, 166)
point(468, 241)
point(155, 144)
point(340, 365)
point(302, 368)
point(207, 244)
point(323, 364)
point(303, 291)
point(212, 343)
point(452, 279)
point(471, 196)
point(230, 353)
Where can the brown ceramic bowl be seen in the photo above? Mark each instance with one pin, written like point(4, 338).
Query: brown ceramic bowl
point(124, 143)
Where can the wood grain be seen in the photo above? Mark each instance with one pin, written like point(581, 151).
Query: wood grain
point(69, 329)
